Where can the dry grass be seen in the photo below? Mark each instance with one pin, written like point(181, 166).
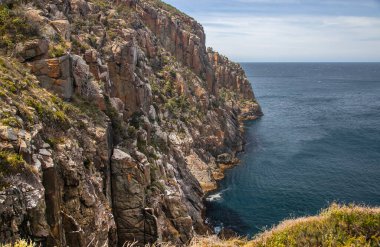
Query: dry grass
point(338, 225)
point(20, 243)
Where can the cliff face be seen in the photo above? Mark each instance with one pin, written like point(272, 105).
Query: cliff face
point(115, 120)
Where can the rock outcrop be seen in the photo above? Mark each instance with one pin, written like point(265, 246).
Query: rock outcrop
point(115, 120)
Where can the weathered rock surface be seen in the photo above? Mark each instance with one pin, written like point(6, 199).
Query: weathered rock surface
point(150, 119)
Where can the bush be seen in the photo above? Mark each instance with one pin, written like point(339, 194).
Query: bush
point(11, 121)
point(131, 132)
point(168, 89)
point(135, 120)
point(57, 50)
point(173, 74)
point(14, 27)
point(10, 164)
point(177, 105)
point(47, 113)
point(11, 85)
point(155, 87)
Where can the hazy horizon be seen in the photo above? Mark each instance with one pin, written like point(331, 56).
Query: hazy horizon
point(289, 30)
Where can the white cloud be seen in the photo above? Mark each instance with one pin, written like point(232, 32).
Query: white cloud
point(294, 38)
point(269, 1)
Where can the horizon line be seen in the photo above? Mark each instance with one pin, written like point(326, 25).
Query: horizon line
point(308, 62)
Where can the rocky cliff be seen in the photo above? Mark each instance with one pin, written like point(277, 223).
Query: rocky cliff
point(115, 120)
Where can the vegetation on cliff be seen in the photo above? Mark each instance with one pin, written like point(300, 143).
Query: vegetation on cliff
point(335, 226)
point(115, 119)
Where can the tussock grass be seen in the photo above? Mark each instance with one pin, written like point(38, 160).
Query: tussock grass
point(20, 243)
point(338, 225)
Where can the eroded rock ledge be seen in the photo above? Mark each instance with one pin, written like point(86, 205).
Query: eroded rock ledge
point(115, 120)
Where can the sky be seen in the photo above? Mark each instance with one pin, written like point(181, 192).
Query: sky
point(289, 30)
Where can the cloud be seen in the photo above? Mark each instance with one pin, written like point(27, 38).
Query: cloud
point(290, 30)
point(294, 38)
point(269, 1)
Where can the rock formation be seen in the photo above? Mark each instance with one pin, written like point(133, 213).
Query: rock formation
point(115, 120)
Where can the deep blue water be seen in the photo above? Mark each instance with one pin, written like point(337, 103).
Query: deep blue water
point(319, 142)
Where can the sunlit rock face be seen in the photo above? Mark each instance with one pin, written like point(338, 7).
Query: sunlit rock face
point(118, 120)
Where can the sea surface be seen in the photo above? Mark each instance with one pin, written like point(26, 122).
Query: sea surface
point(318, 143)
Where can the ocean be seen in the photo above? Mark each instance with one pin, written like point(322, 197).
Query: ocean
point(318, 143)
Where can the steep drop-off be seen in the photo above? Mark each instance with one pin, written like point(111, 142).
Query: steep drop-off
point(115, 120)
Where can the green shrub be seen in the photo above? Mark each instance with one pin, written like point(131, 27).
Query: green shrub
point(171, 105)
point(131, 132)
point(10, 164)
point(173, 74)
point(155, 87)
point(14, 27)
point(57, 50)
point(10, 161)
point(168, 89)
point(12, 85)
point(11, 121)
point(135, 119)
point(47, 113)
point(156, 186)
point(59, 116)
point(177, 105)
point(142, 146)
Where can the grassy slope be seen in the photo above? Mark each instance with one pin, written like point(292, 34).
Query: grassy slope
point(335, 226)
point(24, 104)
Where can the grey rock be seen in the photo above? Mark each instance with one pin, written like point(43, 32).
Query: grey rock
point(32, 49)
point(8, 133)
point(45, 152)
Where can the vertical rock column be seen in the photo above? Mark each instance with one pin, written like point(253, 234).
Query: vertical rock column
point(133, 220)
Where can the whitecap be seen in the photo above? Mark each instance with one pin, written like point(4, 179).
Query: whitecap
point(218, 229)
point(214, 197)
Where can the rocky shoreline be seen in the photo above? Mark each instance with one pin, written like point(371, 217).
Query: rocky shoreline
point(115, 121)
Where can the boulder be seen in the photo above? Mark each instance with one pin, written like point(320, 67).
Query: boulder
point(224, 158)
point(32, 49)
point(55, 75)
point(62, 27)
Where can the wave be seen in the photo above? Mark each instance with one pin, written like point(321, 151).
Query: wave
point(216, 197)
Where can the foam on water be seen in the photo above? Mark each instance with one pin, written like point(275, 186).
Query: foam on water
point(217, 196)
